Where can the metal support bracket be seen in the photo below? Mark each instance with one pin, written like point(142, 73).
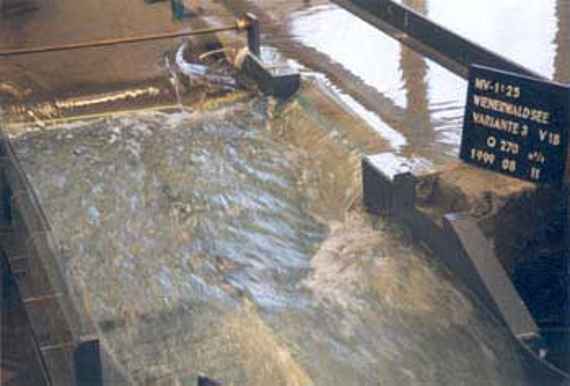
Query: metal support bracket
point(253, 34)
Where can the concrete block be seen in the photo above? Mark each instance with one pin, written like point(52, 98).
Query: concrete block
point(280, 81)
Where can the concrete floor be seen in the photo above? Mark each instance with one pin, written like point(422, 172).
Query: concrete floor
point(56, 22)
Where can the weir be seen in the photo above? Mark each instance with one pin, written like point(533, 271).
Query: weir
point(68, 349)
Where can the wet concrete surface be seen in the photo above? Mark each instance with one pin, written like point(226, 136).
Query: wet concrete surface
point(84, 71)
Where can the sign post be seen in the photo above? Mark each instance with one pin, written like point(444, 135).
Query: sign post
point(516, 125)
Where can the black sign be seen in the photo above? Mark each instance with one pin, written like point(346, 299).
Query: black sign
point(516, 125)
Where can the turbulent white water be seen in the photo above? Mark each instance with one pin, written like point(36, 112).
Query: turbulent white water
point(198, 244)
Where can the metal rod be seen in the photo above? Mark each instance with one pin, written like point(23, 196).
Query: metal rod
point(436, 42)
point(112, 42)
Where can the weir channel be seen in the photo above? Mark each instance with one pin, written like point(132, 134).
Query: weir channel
point(223, 232)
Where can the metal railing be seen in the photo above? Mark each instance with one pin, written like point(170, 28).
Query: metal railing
point(447, 48)
point(247, 23)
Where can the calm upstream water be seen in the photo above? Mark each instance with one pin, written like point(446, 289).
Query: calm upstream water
point(198, 243)
point(418, 99)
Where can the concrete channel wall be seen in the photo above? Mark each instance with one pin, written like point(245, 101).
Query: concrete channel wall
point(63, 334)
point(27, 243)
point(458, 240)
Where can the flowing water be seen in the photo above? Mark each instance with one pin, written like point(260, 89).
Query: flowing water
point(228, 242)
point(206, 243)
